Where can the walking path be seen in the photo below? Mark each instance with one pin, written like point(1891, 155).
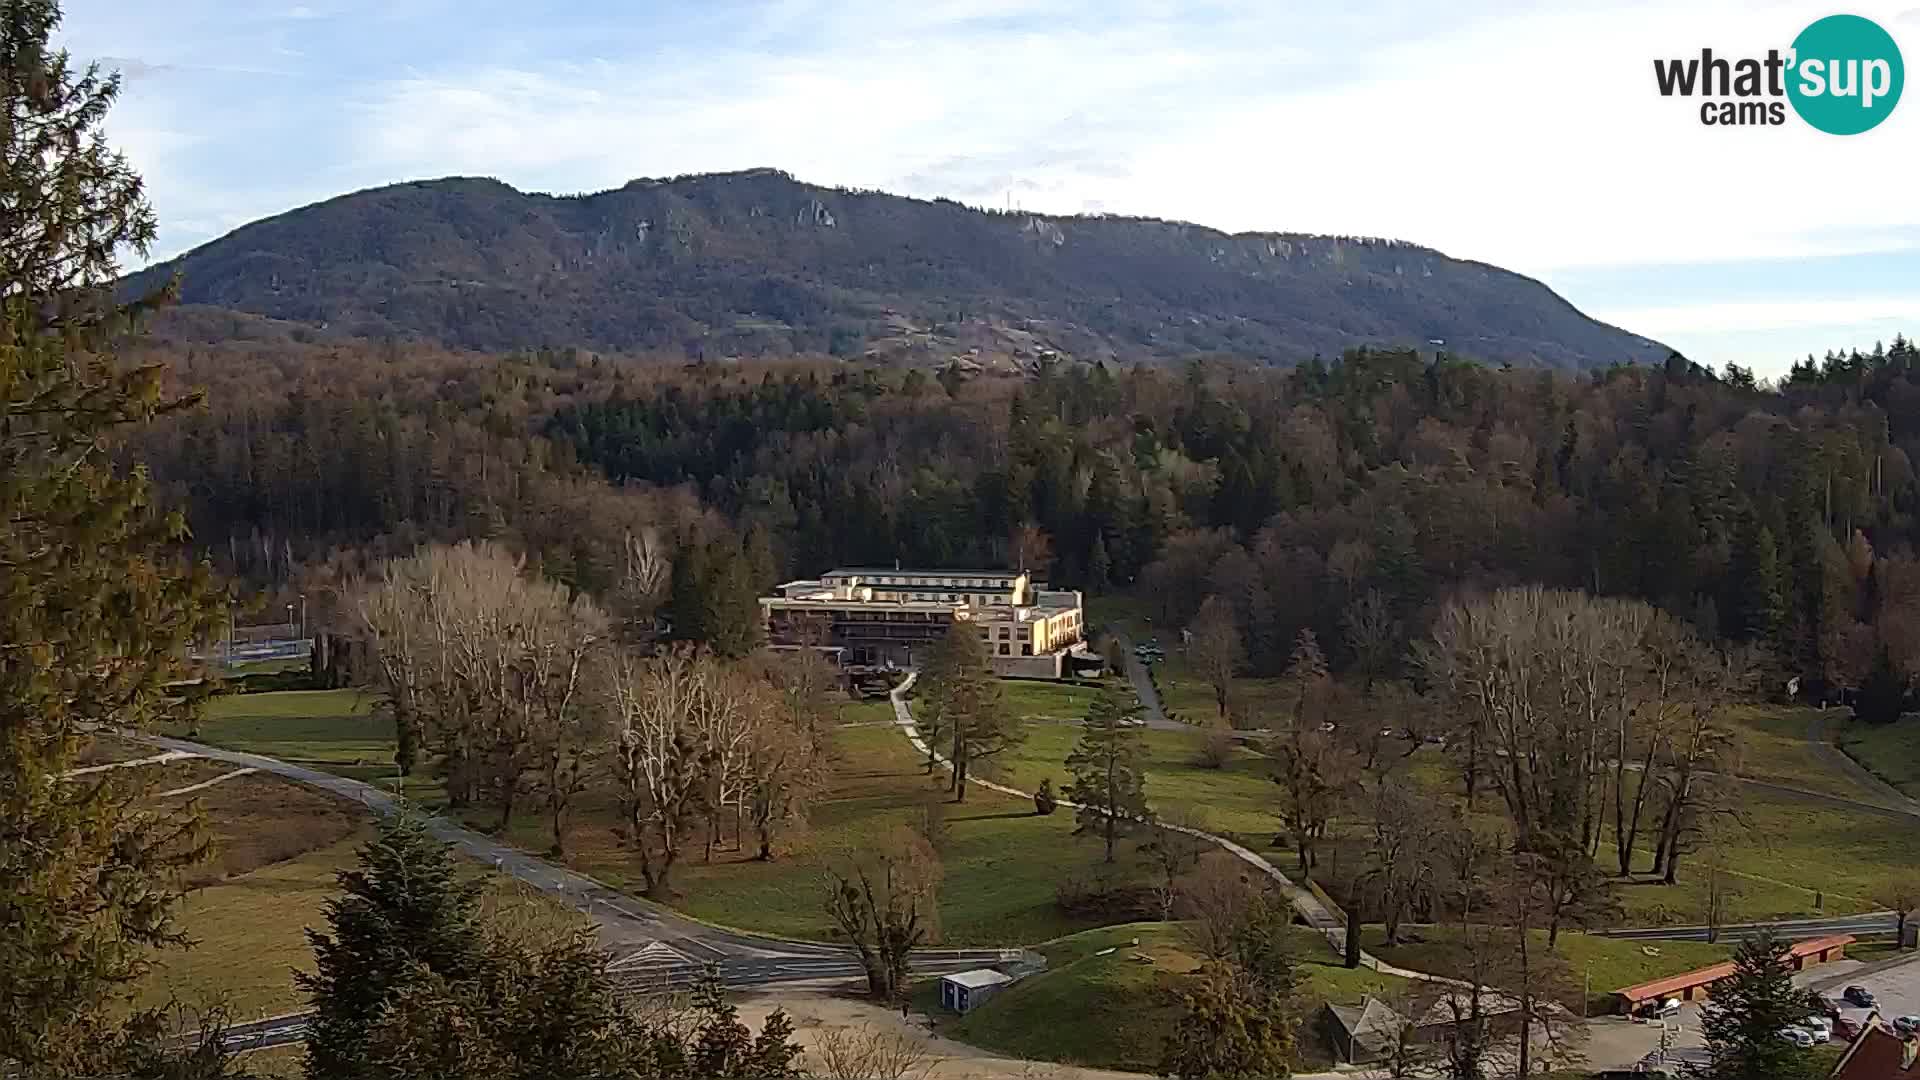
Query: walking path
point(675, 946)
point(1839, 759)
point(204, 784)
point(157, 759)
point(1304, 902)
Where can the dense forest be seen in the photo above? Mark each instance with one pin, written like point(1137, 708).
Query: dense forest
point(1782, 515)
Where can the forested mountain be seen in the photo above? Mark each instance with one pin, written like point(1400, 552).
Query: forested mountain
point(757, 263)
point(1787, 517)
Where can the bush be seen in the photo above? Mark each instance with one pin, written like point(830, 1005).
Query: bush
point(1103, 899)
point(1216, 748)
point(1044, 802)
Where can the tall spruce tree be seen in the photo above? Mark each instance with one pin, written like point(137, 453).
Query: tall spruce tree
point(405, 917)
point(1747, 1011)
point(1109, 783)
point(96, 614)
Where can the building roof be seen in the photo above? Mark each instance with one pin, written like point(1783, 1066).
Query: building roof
point(977, 978)
point(1879, 1054)
point(1674, 984)
point(1369, 1025)
point(909, 571)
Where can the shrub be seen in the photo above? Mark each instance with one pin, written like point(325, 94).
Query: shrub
point(1044, 801)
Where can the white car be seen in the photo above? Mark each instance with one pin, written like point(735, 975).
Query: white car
point(1798, 1036)
point(1819, 1027)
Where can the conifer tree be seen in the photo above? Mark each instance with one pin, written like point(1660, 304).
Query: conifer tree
point(1109, 784)
point(96, 615)
point(1747, 1011)
point(405, 916)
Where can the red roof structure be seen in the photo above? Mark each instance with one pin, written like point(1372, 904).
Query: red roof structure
point(1693, 984)
point(1878, 1053)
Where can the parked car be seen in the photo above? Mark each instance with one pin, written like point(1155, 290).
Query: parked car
point(1906, 1025)
point(1846, 1029)
point(1827, 1006)
point(1859, 995)
point(1797, 1036)
point(1819, 1027)
point(1659, 1009)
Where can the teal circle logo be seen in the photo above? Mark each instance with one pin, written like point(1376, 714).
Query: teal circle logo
point(1846, 75)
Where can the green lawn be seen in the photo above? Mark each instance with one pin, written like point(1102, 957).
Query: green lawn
point(1186, 696)
point(1238, 798)
point(1613, 965)
point(249, 932)
point(334, 730)
point(1055, 701)
point(1114, 1011)
point(1774, 748)
point(1889, 751)
point(1797, 858)
point(1001, 862)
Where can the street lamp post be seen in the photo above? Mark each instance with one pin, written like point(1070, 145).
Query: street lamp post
point(289, 620)
point(303, 616)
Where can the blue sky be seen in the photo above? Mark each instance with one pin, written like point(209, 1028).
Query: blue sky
point(1528, 135)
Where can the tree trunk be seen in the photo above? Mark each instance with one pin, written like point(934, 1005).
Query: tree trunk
point(507, 798)
point(1353, 935)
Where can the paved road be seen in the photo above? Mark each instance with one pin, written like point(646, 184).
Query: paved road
point(656, 948)
point(1878, 922)
point(1143, 687)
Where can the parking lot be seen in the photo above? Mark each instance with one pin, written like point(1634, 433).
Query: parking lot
point(1619, 1043)
point(1896, 989)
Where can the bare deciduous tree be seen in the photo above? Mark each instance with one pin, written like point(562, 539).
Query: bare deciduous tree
point(1216, 651)
point(1403, 861)
point(659, 763)
point(881, 902)
point(1314, 775)
point(868, 1053)
point(1372, 633)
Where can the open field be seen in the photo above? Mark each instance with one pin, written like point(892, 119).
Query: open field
point(1612, 965)
point(249, 931)
point(335, 730)
point(1774, 748)
point(1889, 751)
point(1237, 799)
point(1114, 1011)
point(1001, 861)
point(1799, 858)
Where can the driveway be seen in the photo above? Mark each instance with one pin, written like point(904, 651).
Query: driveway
point(1143, 688)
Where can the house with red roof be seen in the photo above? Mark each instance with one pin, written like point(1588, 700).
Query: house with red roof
point(1879, 1053)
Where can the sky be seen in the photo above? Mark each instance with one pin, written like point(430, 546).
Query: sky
point(1525, 134)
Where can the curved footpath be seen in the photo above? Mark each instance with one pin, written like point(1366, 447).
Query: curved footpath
point(1304, 902)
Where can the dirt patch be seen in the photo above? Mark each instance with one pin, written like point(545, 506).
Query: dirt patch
point(104, 749)
point(259, 819)
point(815, 1012)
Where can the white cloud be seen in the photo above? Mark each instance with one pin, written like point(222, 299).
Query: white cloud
point(1536, 141)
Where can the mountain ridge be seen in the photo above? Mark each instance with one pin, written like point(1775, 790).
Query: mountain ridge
point(757, 262)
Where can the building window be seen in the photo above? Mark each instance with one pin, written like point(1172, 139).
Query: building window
point(1003, 649)
point(1026, 650)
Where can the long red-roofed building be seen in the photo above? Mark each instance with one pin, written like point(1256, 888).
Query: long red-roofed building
point(1692, 985)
